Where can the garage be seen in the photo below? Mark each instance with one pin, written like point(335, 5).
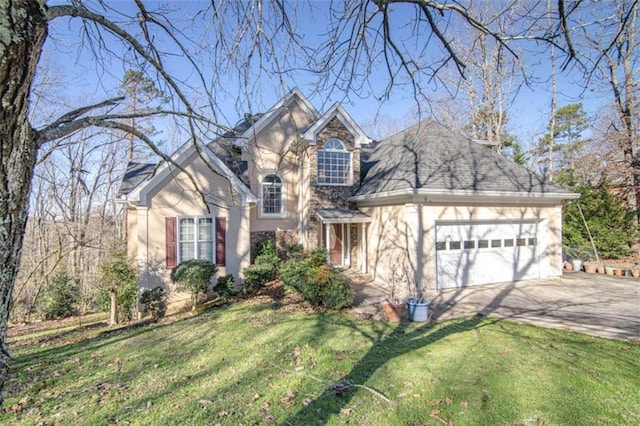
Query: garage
point(474, 253)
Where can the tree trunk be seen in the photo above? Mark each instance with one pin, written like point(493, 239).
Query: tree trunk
point(23, 29)
point(113, 316)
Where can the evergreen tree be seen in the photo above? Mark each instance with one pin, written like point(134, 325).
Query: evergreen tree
point(611, 223)
point(570, 123)
point(141, 92)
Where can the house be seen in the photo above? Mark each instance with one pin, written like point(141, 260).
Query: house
point(446, 211)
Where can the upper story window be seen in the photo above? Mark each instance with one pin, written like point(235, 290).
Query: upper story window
point(272, 196)
point(334, 164)
point(195, 238)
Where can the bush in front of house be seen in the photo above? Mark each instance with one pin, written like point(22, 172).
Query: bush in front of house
point(264, 268)
point(155, 301)
point(317, 282)
point(194, 276)
point(118, 281)
point(295, 252)
point(225, 286)
point(59, 297)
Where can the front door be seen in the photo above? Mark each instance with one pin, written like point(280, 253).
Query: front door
point(335, 243)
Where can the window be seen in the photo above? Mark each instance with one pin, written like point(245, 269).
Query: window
point(441, 245)
point(469, 244)
point(508, 242)
point(271, 195)
point(521, 242)
point(195, 238)
point(454, 245)
point(483, 244)
point(334, 164)
point(496, 243)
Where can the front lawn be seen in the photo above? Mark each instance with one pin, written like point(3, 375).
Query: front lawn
point(260, 362)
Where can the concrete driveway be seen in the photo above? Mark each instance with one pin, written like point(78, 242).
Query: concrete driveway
point(600, 305)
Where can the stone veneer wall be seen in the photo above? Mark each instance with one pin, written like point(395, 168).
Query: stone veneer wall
point(330, 196)
point(257, 238)
point(283, 240)
point(355, 244)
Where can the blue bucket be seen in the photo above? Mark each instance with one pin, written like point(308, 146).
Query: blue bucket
point(418, 309)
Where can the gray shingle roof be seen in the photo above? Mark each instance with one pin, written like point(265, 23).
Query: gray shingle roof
point(134, 175)
point(225, 149)
point(338, 215)
point(428, 156)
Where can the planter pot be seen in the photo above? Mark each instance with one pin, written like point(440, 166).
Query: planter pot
point(600, 269)
point(568, 266)
point(392, 310)
point(590, 268)
point(577, 264)
point(626, 273)
point(418, 309)
point(617, 272)
point(608, 270)
point(635, 273)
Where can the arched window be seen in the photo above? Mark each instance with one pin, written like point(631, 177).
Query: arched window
point(271, 195)
point(334, 164)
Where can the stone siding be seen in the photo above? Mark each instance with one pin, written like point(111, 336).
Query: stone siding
point(328, 196)
point(355, 244)
point(284, 240)
point(257, 238)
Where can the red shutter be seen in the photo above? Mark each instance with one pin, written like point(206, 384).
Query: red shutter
point(170, 239)
point(221, 236)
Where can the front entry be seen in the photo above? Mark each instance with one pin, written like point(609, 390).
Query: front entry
point(343, 233)
point(336, 244)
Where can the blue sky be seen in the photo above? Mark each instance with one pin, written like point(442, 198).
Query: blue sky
point(81, 79)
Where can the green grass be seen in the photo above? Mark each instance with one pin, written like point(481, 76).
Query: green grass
point(253, 363)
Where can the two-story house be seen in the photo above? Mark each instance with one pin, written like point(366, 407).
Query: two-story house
point(452, 212)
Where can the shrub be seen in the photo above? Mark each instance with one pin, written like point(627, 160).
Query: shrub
point(118, 275)
point(194, 276)
point(317, 282)
point(264, 269)
point(295, 252)
point(155, 301)
point(59, 297)
point(225, 286)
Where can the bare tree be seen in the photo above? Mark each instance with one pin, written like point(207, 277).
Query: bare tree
point(249, 37)
point(611, 43)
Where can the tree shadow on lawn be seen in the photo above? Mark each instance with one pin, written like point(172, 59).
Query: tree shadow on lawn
point(384, 350)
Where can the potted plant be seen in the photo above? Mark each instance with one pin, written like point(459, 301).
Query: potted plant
point(417, 304)
point(418, 308)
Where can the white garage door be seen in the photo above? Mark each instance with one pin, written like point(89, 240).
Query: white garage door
point(475, 253)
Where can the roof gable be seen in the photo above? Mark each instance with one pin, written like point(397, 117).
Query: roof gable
point(337, 111)
point(164, 169)
point(273, 113)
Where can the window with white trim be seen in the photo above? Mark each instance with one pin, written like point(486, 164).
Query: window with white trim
point(334, 164)
point(195, 238)
point(272, 196)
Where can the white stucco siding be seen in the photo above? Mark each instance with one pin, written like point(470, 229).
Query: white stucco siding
point(409, 232)
point(176, 197)
point(273, 150)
